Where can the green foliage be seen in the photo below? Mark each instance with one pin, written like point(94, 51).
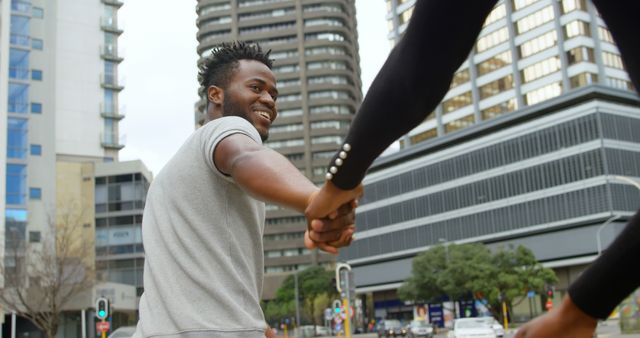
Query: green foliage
point(472, 270)
point(314, 287)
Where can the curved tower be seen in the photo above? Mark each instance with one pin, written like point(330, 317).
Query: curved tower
point(315, 50)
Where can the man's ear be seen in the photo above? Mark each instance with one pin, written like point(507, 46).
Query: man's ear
point(215, 94)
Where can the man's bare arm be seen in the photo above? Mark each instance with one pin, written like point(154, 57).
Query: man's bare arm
point(263, 173)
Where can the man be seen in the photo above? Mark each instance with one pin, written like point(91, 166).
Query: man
point(204, 218)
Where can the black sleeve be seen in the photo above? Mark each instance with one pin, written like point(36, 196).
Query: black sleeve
point(412, 81)
point(612, 277)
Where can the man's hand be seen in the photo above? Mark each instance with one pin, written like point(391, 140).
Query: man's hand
point(329, 234)
point(327, 201)
point(268, 333)
point(567, 321)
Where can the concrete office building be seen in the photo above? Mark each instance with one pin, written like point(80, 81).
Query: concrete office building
point(314, 45)
point(58, 103)
point(534, 144)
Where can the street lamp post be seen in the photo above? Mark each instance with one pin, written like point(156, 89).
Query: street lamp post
point(631, 181)
point(604, 225)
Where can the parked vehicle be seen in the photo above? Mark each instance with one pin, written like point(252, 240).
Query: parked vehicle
point(123, 332)
point(419, 329)
point(495, 325)
point(472, 328)
point(391, 328)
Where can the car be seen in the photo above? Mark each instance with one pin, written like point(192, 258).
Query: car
point(495, 325)
point(391, 328)
point(123, 332)
point(419, 329)
point(323, 331)
point(472, 328)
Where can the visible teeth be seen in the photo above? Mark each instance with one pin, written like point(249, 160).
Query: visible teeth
point(265, 114)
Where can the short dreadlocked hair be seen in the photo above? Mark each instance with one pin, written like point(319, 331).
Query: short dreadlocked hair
point(218, 68)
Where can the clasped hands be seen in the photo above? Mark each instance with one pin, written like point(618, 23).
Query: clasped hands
point(330, 217)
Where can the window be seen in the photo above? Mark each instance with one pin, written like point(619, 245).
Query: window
point(338, 110)
point(18, 64)
point(494, 63)
point(423, 136)
point(576, 28)
point(459, 124)
point(17, 138)
point(580, 54)
point(36, 150)
point(37, 12)
point(405, 16)
point(496, 14)
point(572, 5)
point(492, 39)
point(333, 94)
point(496, 87)
point(612, 60)
point(543, 93)
point(605, 35)
point(456, 102)
point(326, 139)
point(583, 79)
point(37, 44)
point(19, 28)
point(36, 75)
point(35, 193)
point(34, 236)
point(18, 97)
point(499, 109)
point(518, 4)
point(540, 69)
point(538, 44)
point(290, 112)
point(460, 77)
point(36, 108)
point(16, 190)
point(534, 20)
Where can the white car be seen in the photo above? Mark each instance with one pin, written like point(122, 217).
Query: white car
point(123, 332)
point(472, 328)
point(495, 325)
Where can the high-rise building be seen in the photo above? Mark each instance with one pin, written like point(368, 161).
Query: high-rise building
point(315, 50)
point(533, 145)
point(58, 104)
point(528, 51)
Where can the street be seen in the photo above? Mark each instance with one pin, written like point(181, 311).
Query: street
point(607, 329)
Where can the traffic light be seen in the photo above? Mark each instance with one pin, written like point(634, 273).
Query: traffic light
point(549, 291)
point(337, 306)
point(102, 308)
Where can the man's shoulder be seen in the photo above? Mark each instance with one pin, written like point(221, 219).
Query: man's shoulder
point(228, 125)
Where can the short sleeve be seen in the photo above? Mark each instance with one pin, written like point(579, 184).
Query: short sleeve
point(216, 130)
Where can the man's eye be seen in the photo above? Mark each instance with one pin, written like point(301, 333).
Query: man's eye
point(255, 88)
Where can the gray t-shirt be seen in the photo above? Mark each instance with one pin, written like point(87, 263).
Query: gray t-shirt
point(202, 237)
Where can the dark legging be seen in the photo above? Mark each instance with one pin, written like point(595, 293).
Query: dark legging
point(415, 78)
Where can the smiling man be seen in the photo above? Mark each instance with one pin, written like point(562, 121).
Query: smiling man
point(204, 217)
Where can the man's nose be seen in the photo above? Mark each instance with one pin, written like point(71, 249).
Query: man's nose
point(267, 99)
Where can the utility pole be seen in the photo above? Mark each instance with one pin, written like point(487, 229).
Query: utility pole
point(295, 278)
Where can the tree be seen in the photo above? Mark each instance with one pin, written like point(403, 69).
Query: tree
point(515, 272)
point(473, 271)
point(42, 277)
point(314, 285)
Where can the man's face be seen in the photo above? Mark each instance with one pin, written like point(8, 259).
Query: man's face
point(251, 94)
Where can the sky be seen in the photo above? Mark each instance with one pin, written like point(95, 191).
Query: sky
point(159, 72)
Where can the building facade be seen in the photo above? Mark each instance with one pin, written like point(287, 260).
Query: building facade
point(58, 104)
point(534, 144)
point(120, 195)
point(315, 50)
